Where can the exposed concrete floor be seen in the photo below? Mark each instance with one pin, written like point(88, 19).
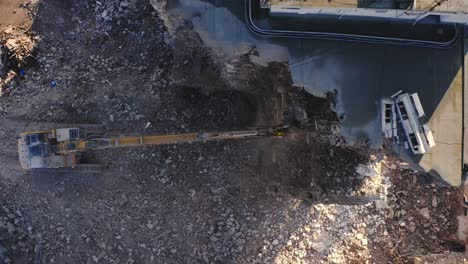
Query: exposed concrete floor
point(446, 124)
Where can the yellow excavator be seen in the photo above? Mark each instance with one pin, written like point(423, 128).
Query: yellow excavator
point(61, 149)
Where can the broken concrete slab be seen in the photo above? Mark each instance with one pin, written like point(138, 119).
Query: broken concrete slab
point(425, 212)
point(364, 170)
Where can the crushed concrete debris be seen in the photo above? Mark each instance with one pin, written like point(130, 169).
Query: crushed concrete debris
point(364, 170)
point(443, 258)
point(308, 197)
point(425, 212)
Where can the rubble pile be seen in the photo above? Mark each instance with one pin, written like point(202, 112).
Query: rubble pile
point(15, 236)
point(18, 43)
point(307, 197)
point(388, 227)
point(124, 49)
point(422, 213)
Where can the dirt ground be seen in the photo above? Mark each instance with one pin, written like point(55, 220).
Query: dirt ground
point(296, 199)
point(14, 13)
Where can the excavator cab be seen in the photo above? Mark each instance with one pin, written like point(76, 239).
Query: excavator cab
point(42, 149)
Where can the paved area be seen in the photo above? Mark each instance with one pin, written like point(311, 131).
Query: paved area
point(446, 123)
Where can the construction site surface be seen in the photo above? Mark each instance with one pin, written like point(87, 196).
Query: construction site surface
point(131, 134)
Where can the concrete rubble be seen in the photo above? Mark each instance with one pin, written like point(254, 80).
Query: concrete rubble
point(309, 197)
point(364, 170)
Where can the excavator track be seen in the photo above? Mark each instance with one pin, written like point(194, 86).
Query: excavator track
point(78, 169)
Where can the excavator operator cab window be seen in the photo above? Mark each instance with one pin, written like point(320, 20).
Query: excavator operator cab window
point(32, 139)
point(35, 151)
point(36, 145)
point(38, 150)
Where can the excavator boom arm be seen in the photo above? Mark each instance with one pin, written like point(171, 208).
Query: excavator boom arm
point(62, 147)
